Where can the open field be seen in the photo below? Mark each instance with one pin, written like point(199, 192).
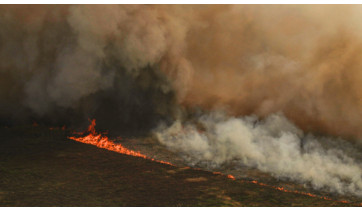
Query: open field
point(41, 167)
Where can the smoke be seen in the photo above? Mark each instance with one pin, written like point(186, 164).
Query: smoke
point(302, 60)
point(65, 64)
point(273, 145)
point(132, 67)
point(62, 62)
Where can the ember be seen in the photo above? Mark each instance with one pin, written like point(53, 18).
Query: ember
point(284, 190)
point(297, 192)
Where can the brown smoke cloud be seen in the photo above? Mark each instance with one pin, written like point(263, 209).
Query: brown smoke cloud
point(245, 59)
point(302, 60)
point(135, 67)
point(65, 63)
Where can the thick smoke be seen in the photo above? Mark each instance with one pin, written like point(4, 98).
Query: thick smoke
point(273, 145)
point(302, 60)
point(132, 67)
point(65, 64)
point(140, 63)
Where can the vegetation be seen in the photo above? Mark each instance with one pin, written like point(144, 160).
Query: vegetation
point(41, 167)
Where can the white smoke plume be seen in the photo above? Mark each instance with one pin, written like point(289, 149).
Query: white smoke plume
point(273, 145)
point(134, 66)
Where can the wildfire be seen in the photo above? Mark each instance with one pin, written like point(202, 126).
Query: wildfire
point(102, 141)
point(231, 177)
point(296, 192)
point(283, 189)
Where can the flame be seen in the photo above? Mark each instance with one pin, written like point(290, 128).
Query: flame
point(231, 177)
point(280, 188)
point(297, 192)
point(102, 141)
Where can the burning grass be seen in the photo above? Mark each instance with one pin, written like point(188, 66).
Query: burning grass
point(40, 167)
point(102, 141)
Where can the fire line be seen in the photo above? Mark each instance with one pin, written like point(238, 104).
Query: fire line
point(102, 141)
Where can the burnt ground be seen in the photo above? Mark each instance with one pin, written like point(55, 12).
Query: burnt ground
point(41, 167)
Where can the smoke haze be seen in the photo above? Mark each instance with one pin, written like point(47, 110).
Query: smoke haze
point(132, 67)
point(63, 64)
point(301, 60)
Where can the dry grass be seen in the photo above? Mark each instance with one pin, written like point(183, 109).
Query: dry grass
point(40, 167)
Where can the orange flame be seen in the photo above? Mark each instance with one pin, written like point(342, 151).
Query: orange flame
point(284, 190)
point(231, 177)
point(297, 192)
point(91, 127)
point(102, 141)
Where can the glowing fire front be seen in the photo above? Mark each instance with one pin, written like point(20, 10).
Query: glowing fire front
point(102, 141)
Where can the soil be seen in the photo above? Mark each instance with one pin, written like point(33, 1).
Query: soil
point(41, 167)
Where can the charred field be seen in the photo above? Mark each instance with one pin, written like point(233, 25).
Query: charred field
point(42, 167)
point(196, 105)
